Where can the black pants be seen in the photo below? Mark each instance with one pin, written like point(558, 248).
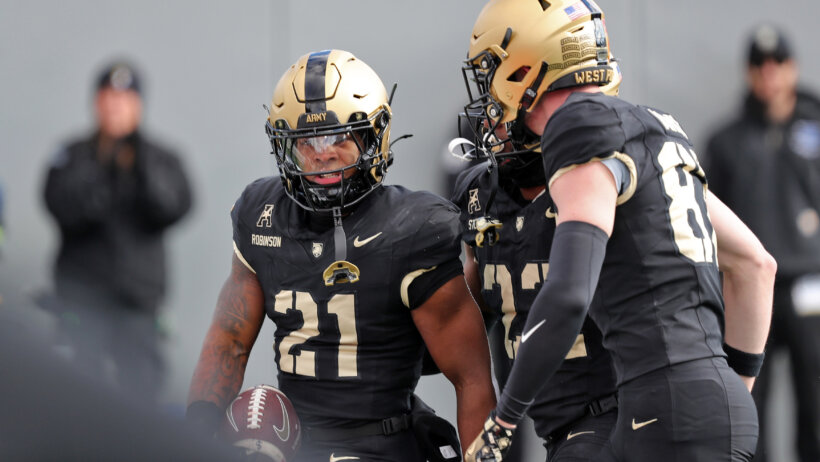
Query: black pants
point(698, 411)
point(399, 447)
point(800, 336)
point(583, 440)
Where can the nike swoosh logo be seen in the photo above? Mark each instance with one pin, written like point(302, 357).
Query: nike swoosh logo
point(334, 459)
point(549, 213)
point(284, 432)
point(358, 243)
point(571, 435)
point(637, 425)
point(527, 334)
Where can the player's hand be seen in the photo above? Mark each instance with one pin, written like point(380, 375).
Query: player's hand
point(492, 444)
point(204, 417)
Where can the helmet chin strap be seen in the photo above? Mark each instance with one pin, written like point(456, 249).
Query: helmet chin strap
point(519, 129)
point(487, 228)
point(339, 238)
point(493, 170)
point(528, 98)
point(341, 270)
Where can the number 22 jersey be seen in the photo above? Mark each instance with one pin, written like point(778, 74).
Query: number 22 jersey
point(512, 272)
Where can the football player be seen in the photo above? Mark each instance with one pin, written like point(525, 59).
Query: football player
point(575, 411)
point(356, 275)
point(634, 245)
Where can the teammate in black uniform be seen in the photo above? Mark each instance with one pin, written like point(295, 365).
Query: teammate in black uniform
point(357, 276)
point(576, 408)
point(575, 411)
point(631, 203)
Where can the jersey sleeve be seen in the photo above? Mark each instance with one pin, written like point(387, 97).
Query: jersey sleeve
point(466, 180)
point(579, 132)
point(466, 191)
point(434, 256)
point(241, 214)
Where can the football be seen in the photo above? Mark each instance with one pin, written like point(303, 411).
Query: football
point(263, 422)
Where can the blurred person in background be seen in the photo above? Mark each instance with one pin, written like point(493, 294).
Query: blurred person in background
point(113, 193)
point(765, 165)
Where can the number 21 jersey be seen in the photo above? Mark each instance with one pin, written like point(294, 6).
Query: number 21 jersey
point(347, 352)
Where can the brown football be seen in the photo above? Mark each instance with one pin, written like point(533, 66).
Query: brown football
point(262, 421)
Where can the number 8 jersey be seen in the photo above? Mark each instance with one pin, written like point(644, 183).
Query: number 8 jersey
point(348, 352)
point(659, 299)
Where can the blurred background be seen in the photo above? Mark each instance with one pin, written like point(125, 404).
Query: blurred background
point(208, 67)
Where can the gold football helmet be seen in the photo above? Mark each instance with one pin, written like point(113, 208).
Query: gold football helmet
point(519, 159)
point(325, 100)
point(521, 49)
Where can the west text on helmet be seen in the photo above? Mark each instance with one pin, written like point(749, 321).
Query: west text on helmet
point(594, 76)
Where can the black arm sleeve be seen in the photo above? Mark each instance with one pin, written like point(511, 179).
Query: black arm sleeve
point(556, 315)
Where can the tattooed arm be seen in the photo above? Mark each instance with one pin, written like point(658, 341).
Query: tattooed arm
point(240, 311)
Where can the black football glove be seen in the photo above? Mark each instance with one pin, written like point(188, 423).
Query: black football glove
point(204, 417)
point(492, 444)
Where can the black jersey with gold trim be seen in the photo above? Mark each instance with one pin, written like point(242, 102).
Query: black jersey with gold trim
point(659, 300)
point(350, 351)
point(512, 272)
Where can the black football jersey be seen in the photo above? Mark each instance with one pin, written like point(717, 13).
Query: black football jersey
point(659, 299)
point(512, 272)
point(349, 351)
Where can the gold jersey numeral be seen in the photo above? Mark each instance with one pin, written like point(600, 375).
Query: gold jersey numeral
point(304, 362)
point(499, 275)
point(687, 215)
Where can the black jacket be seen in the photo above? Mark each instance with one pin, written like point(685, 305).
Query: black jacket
point(112, 221)
point(769, 174)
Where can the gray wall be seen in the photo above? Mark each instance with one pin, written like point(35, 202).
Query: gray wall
point(211, 65)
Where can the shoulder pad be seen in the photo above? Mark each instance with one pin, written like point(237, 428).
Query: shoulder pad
point(586, 126)
point(468, 179)
point(255, 195)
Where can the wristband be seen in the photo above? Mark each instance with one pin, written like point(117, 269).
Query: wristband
point(746, 364)
point(204, 416)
